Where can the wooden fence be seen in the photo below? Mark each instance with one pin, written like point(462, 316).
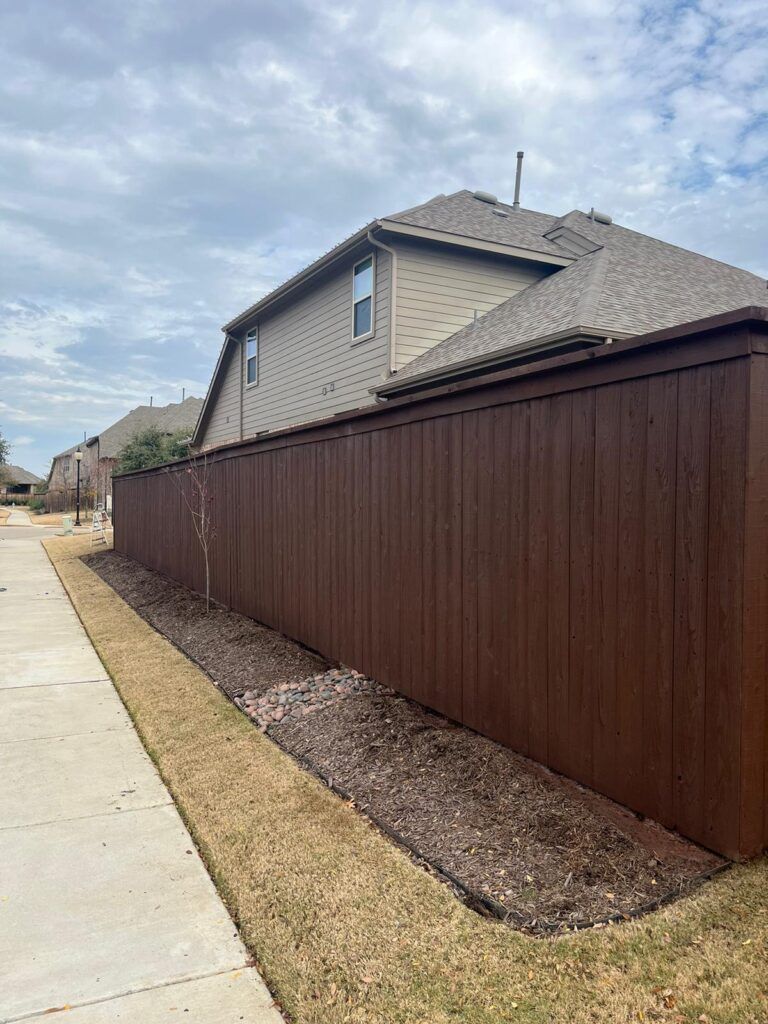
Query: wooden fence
point(570, 557)
point(66, 500)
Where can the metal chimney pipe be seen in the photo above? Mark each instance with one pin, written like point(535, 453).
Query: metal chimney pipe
point(518, 176)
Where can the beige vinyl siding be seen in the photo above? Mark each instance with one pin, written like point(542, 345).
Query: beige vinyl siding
point(438, 291)
point(307, 346)
point(224, 418)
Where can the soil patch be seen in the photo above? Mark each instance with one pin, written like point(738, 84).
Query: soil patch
point(509, 828)
point(238, 653)
point(554, 855)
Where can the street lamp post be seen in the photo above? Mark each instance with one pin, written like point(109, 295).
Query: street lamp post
point(78, 459)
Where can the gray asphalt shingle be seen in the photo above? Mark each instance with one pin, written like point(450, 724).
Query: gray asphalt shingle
point(630, 285)
point(168, 418)
point(16, 475)
point(462, 214)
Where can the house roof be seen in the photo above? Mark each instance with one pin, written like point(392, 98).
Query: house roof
point(607, 281)
point(623, 284)
point(168, 418)
point(460, 215)
point(461, 218)
point(16, 475)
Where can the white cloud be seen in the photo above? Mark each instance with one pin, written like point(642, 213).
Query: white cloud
point(42, 335)
point(165, 164)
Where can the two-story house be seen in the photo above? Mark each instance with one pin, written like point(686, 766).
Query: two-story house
point(100, 454)
point(456, 286)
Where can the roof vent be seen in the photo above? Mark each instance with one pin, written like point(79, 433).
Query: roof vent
point(518, 176)
point(486, 197)
point(601, 218)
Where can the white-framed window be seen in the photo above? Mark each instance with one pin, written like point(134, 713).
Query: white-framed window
point(252, 357)
point(362, 298)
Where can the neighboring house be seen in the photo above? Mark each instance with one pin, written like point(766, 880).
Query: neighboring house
point(101, 453)
point(454, 287)
point(16, 484)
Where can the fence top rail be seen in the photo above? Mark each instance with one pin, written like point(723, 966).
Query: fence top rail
point(730, 335)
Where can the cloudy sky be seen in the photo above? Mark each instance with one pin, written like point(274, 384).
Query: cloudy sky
point(164, 163)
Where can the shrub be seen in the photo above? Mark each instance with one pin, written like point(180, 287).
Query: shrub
point(151, 447)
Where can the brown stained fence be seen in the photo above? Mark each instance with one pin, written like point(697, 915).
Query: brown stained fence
point(569, 557)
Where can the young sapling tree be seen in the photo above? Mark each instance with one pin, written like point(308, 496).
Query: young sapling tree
point(193, 482)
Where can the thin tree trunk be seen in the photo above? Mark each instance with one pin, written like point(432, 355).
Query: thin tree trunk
point(196, 497)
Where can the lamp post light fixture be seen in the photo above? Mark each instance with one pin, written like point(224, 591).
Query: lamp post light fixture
point(78, 460)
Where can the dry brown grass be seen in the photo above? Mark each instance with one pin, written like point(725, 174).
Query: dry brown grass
point(54, 518)
point(347, 929)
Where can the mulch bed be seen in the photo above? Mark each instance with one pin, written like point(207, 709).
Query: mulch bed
point(552, 854)
point(238, 653)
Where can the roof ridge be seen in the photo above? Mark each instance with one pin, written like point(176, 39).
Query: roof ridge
point(436, 200)
point(673, 245)
point(589, 300)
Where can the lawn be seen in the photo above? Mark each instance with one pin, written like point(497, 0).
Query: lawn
point(54, 518)
point(343, 925)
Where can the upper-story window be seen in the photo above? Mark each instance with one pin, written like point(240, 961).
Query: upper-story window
point(362, 298)
point(252, 356)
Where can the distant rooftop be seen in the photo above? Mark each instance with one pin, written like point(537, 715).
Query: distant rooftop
point(168, 418)
point(16, 475)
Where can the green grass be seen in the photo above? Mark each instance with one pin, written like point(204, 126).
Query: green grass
point(345, 928)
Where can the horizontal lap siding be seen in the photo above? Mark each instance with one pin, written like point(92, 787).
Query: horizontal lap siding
point(562, 573)
point(224, 420)
point(439, 291)
point(304, 348)
point(308, 346)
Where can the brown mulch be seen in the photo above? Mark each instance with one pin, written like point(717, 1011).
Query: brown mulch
point(550, 852)
point(510, 828)
point(234, 650)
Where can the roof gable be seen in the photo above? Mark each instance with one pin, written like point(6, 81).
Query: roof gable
point(460, 215)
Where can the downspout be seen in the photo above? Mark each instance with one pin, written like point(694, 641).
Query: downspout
point(241, 378)
point(390, 368)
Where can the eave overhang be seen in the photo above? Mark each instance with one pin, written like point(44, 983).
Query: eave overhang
point(467, 242)
point(545, 343)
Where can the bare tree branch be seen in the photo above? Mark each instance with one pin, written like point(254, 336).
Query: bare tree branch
point(193, 484)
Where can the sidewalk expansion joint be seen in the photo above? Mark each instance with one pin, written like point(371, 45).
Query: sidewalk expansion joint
point(49, 1011)
point(68, 682)
point(85, 817)
point(65, 735)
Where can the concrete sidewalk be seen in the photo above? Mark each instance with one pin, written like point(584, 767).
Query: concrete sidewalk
point(19, 517)
point(105, 907)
